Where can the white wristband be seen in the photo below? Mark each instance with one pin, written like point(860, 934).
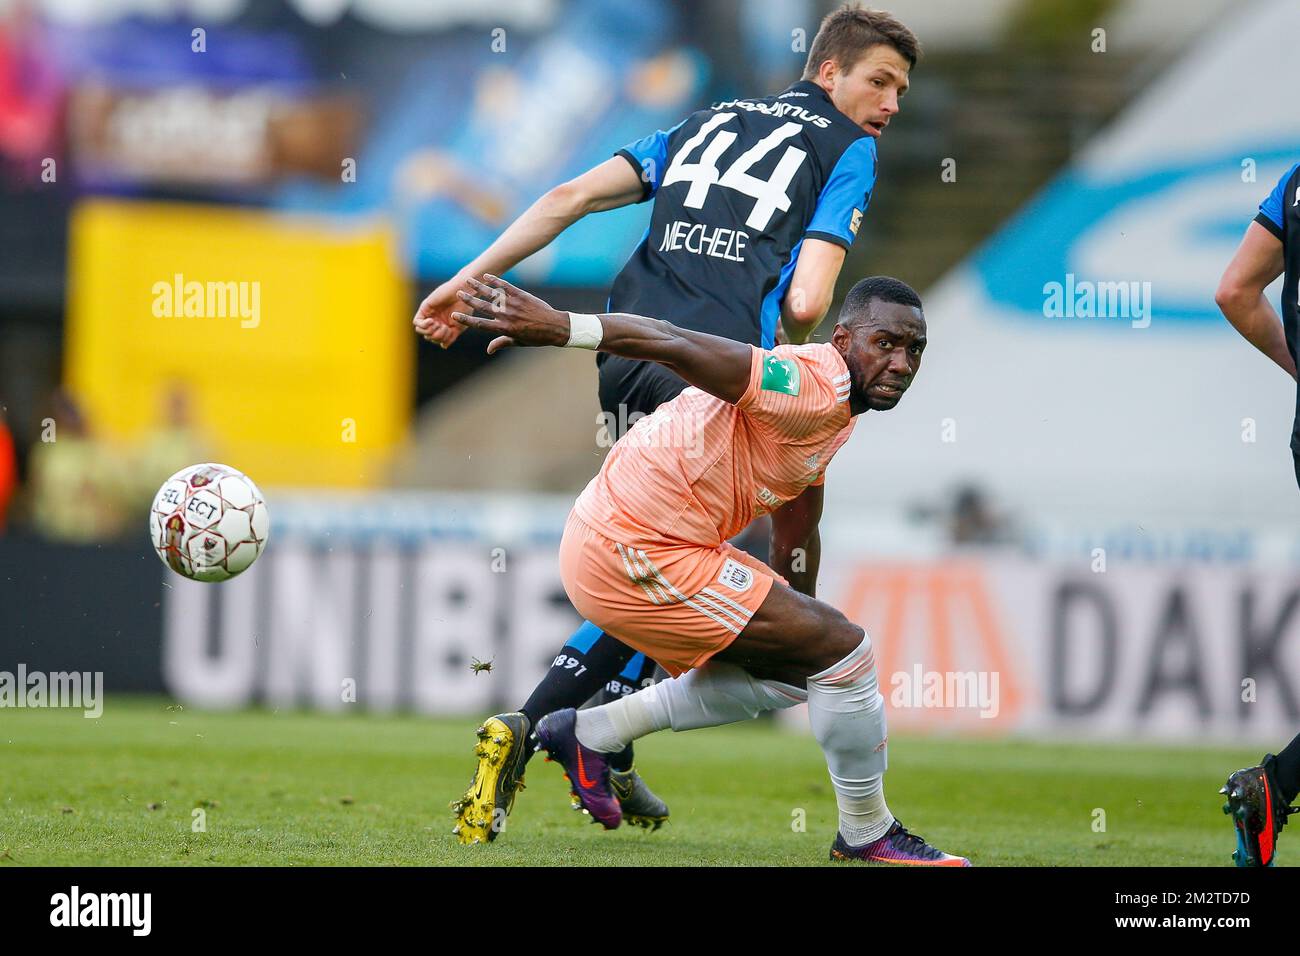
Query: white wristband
point(585, 331)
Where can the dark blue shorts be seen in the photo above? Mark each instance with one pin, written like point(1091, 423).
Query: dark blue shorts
point(632, 388)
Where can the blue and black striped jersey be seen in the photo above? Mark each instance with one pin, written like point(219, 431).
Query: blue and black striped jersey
point(1280, 215)
point(737, 188)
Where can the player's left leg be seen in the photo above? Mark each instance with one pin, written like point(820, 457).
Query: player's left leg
point(589, 661)
point(586, 741)
point(585, 665)
point(1288, 771)
point(1260, 798)
point(641, 807)
point(506, 741)
point(780, 639)
point(1259, 801)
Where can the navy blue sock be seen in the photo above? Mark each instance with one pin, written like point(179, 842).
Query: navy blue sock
point(588, 661)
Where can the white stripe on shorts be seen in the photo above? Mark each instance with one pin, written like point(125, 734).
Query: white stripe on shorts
point(634, 576)
point(718, 597)
point(707, 610)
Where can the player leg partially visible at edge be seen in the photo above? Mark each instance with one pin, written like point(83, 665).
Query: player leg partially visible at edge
point(1260, 798)
point(755, 203)
point(644, 552)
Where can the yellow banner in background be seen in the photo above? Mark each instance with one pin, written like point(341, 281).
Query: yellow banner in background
point(290, 337)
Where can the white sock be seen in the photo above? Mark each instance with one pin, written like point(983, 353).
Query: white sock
point(708, 696)
point(847, 715)
point(610, 727)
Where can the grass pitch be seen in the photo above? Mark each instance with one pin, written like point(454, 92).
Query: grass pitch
point(294, 789)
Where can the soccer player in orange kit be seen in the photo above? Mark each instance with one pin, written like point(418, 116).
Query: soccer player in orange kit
point(645, 553)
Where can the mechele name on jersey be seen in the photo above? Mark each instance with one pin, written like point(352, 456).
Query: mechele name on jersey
point(717, 242)
point(779, 110)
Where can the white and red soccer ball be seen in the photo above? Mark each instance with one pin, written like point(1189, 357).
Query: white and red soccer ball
point(208, 522)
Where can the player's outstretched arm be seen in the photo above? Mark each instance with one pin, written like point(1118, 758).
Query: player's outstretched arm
point(612, 184)
point(1240, 296)
point(718, 366)
point(796, 539)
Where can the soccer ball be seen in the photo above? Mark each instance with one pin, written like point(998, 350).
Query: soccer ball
point(208, 522)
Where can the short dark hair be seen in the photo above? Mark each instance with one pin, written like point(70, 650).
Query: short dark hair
point(847, 33)
point(857, 304)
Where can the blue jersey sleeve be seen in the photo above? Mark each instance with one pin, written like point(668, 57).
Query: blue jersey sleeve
point(844, 198)
point(649, 157)
point(1271, 209)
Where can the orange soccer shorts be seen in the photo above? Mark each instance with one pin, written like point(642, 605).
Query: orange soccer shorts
point(679, 604)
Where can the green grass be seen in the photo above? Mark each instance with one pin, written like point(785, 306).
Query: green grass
point(292, 789)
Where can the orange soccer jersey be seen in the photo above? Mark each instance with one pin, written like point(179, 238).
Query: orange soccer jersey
point(645, 556)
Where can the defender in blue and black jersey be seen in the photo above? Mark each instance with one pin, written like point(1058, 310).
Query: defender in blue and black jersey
point(738, 191)
point(755, 203)
point(1270, 248)
point(1260, 798)
point(1279, 214)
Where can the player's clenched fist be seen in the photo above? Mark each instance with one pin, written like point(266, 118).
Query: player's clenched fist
point(517, 317)
point(433, 317)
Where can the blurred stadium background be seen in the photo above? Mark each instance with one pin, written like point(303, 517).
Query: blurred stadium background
point(1098, 511)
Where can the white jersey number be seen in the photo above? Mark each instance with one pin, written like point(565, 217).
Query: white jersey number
point(769, 194)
